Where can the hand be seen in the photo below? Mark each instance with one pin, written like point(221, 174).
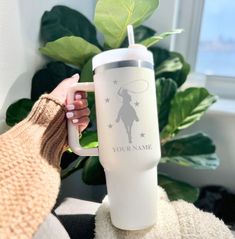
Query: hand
point(60, 92)
point(78, 112)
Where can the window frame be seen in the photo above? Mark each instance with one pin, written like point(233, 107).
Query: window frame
point(188, 15)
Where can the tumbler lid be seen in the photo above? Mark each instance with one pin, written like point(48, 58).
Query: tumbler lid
point(122, 54)
point(136, 52)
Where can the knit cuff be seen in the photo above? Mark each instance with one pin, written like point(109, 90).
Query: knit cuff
point(47, 120)
point(46, 109)
point(45, 128)
point(50, 113)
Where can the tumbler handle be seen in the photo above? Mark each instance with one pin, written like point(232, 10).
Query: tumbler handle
point(73, 132)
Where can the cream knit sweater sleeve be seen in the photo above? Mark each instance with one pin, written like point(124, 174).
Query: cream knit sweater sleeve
point(29, 168)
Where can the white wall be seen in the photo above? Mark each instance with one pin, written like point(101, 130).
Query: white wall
point(19, 43)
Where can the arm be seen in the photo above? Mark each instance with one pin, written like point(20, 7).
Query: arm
point(30, 165)
point(29, 168)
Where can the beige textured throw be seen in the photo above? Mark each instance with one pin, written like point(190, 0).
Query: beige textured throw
point(29, 169)
point(176, 220)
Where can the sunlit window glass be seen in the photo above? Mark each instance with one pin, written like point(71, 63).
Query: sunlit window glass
point(216, 52)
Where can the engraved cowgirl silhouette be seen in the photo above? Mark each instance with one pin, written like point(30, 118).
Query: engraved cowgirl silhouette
point(127, 112)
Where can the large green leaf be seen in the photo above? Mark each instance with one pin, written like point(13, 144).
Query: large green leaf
point(170, 65)
point(91, 103)
point(187, 107)
point(63, 21)
point(87, 76)
point(196, 150)
point(159, 55)
point(140, 33)
point(87, 73)
point(74, 166)
point(46, 79)
point(178, 190)
point(67, 158)
point(202, 161)
point(181, 74)
point(155, 39)
point(93, 172)
point(93, 115)
point(166, 89)
point(72, 50)
point(112, 17)
point(18, 111)
point(89, 139)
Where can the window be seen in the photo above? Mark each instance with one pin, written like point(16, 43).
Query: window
point(216, 50)
point(208, 42)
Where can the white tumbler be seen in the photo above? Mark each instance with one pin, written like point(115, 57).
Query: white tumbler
point(128, 133)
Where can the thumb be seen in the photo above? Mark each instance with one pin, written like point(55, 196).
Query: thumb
point(73, 79)
point(60, 91)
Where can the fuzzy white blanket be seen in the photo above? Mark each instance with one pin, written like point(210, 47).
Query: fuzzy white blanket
point(176, 220)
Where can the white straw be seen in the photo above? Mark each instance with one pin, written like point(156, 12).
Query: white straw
point(130, 34)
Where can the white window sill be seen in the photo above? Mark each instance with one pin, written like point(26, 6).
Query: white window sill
point(223, 106)
point(223, 87)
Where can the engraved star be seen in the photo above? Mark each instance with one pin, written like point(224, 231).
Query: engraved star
point(107, 100)
point(115, 82)
point(110, 126)
point(137, 103)
point(142, 135)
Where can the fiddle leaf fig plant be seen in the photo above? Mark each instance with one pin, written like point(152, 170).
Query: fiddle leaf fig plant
point(72, 50)
point(18, 111)
point(70, 41)
point(62, 21)
point(195, 150)
point(112, 17)
point(176, 189)
point(187, 107)
point(156, 38)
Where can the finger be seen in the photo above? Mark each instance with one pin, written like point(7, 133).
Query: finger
point(81, 123)
point(80, 104)
point(82, 127)
point(78, 113)
point(77, 105)
point(73, 79)
point(80, 95)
